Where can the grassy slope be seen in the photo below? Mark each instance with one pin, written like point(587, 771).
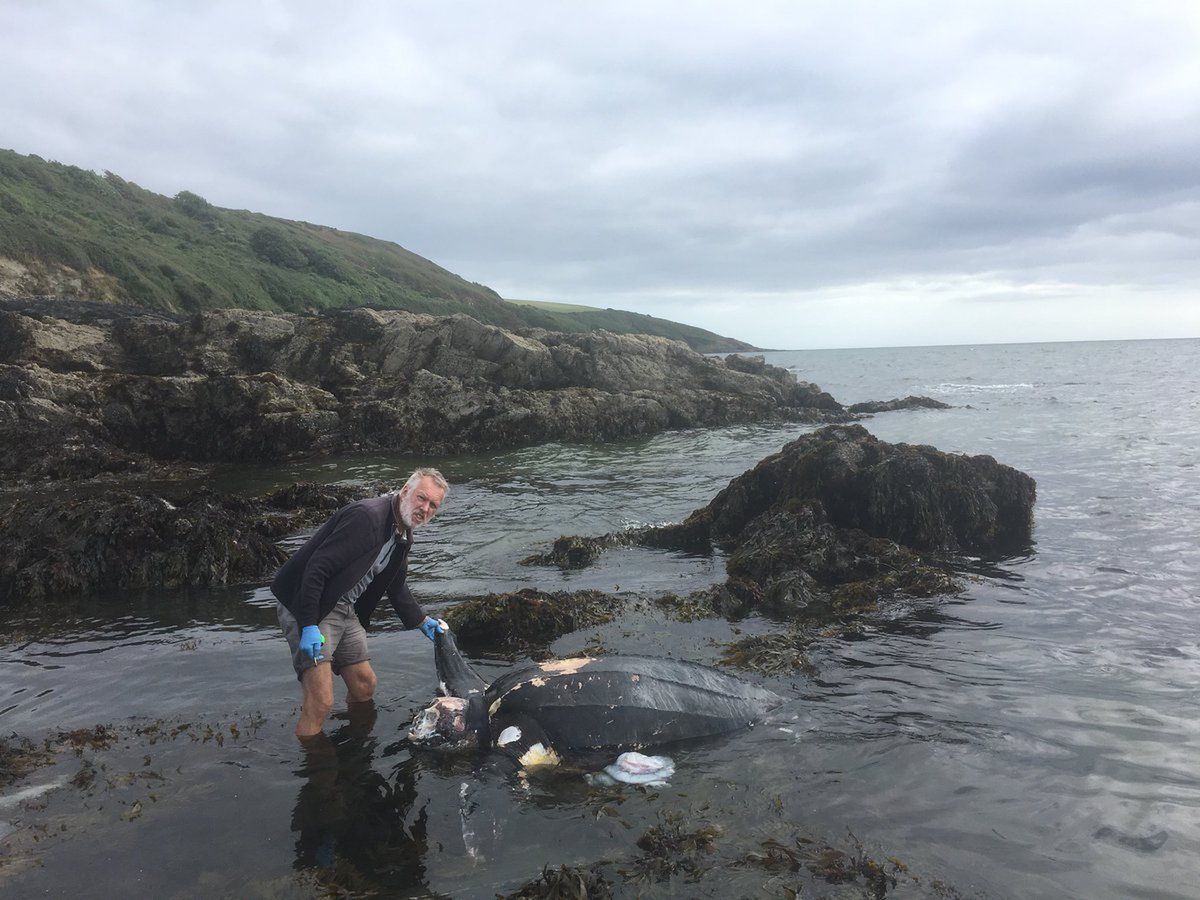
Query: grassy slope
point(127, 244)
point(569, 317)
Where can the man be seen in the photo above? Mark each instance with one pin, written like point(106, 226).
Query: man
point(327, 591)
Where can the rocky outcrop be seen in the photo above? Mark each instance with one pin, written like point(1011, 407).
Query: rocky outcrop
point(913, 495)
point(837, 521)
point(527, 621)
point(105, 542)
point(575, 552)
point(909, 402)
point(87, 388)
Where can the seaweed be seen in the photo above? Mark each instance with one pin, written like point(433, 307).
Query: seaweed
point(527, 620)
point(19, 756)
point(670, 849)
point(771, 654)
point(576, 552)
point(565, 883)
point(99, 737)
point(830, 864)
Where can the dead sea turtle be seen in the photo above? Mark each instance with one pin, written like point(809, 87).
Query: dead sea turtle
point(588, 703)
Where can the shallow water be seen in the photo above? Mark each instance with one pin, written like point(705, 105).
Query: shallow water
point(1034, 736)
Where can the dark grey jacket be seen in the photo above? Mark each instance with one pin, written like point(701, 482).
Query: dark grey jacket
point(335, 559)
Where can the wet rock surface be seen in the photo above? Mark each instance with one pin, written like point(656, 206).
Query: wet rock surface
point(574, 552)
point(910, 402)
point(98, 543)
point(89, 388)
point(835, 523)
point(914, 495)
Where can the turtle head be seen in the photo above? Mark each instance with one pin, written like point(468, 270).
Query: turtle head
point(445, 722)
point(461, 714)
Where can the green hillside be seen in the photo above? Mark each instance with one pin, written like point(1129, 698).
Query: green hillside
point(104, 238)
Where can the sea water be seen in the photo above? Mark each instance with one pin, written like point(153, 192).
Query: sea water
point(1035, 735)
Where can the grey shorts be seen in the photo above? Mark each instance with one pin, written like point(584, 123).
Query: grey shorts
point(345, 638)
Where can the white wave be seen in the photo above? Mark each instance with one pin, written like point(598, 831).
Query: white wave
point(951, 387)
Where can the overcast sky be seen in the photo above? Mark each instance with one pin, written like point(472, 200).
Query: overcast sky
point(792, 174)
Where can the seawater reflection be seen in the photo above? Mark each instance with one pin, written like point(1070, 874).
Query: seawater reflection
point(350, 815)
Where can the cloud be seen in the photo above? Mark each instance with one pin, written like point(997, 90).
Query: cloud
point(642, 153)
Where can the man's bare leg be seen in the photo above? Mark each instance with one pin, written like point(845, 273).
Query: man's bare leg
point(318, 700)
point(360, 682)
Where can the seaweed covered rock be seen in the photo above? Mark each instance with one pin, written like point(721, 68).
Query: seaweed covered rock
point(909, 402)
point(836, 522)
point(576, 552)
point(565, 883)
point(917, 496)
point(85, 545)
point(526, 620)
point(793, 550)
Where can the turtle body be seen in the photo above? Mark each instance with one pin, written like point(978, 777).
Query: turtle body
point(617, 702)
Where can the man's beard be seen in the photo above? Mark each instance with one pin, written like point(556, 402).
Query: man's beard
point(408, 507)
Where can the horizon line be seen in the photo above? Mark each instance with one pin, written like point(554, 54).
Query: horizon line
point(968, 344)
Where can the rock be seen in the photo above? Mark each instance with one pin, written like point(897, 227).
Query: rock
point(135, 387)
point(836, 522)
point(528, 620)
point(573, 552)
point(910, 402)
point(917, 496)
point(772, 654)
point(16, 336)
point(85, 545)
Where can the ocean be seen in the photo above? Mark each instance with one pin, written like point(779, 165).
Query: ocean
point(1035, 735)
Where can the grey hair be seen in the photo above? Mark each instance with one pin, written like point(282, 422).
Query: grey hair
point(426, 472)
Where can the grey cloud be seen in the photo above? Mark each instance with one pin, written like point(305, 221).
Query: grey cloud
point(653, 151)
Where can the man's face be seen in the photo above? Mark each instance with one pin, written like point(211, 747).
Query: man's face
point(420, 503)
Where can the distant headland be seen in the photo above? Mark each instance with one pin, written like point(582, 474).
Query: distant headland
point(67, 231)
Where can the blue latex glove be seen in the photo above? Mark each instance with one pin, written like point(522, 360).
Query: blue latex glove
point(311, 640)
point(432, 626)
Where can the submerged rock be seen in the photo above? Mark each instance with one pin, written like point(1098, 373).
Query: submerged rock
point(118, 541)
point(565, 883)
point(771, 654)
point(574, 552)
point(528, 620)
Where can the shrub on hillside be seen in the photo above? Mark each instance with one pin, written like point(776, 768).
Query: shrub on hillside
point(326, 265)
point(194, 206)
point(273, 245)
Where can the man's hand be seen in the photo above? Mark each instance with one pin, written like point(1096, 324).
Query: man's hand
point(432, 626)
point(311, 640)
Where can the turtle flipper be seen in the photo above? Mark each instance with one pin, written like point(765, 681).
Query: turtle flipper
point(456, 678)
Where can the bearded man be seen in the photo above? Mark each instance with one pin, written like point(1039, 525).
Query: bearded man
point(328, 589)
